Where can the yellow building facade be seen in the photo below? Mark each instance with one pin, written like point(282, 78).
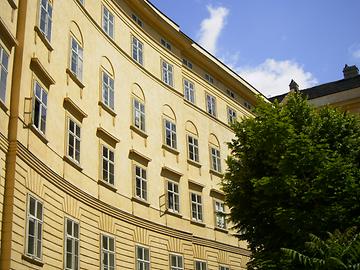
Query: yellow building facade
point(113, 139)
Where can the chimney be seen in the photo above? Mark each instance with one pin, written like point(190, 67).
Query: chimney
point(294, 86)
point(350, 71)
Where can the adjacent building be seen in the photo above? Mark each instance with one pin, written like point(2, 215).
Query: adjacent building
point(343, 94)
point(113, 138)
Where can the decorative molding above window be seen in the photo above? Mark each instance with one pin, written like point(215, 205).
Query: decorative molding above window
point(107, 137)
point(41, 72)
point(135, 155)
point(75, 110)
point(217, 194)
point(171, 173)
point(6, 36)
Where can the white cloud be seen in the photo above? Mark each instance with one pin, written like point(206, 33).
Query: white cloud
point(272, 77)
point(211, 27)
point(356, 54)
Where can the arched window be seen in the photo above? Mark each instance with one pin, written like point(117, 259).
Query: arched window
point(215, 158)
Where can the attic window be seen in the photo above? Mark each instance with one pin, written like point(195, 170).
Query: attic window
point(187, 63)
point(247, 105)
point(166, 44)
point(137, 20)
point(230, 94)
point(209, 78)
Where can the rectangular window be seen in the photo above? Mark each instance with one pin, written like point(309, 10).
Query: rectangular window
point(200, 265)
point(221, 267)
point(210, 105)
point(34, 228)
point(220, 215)
point(209, 78)
point(139, 114)
point(196, 207)
point(176, 262)
point(165, 44)
point(39, 108)
point(4, 61)
point(140, 183)
point(137, 50)
point(142, 258)
point(108, 165)
point(74, 135)
point(45, 18)
point(170, 133)
point(71, 245)
point(247, 105)
point(137, 20)
point(167, 73)
point(189, 92)
point(107, 253)
point(231, 113)
point(173, 196)
point(193, 147)
point(76, 61)
point(187, 63)
point(215, 159)
point(108, 90)
point(230, 93)
point(108, 22)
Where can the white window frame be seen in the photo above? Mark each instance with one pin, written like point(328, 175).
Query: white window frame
point(193, 148)
point(137, 48)
point(76, 55)
point(189, 91)
point(170, 137)
point(141, 262)
point(107, 90)
point(75, 244)
point(108, 20)
point(45, 18)
point(141, 190)
point(187, 63)
point(210, 104)
point(230, 93)
point(176, 262)
point(108, 174)
point(107, 252)
point(139, 114)
point(220, 220)
point(137, 20)
point(4, 64)
point(200, 265)
point(215, 159)
point(166, 44)
point(196, 207)
point(223, 267)
point(76, 141)
point(231, 115)
point(39, 107)
point(167, 73)
point(173, 196)
point(37, 219)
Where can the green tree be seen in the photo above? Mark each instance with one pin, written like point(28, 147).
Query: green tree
point(341, 251)
point(293, 170)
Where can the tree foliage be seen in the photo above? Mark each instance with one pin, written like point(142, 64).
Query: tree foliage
point(341, 251)
point(293, 170)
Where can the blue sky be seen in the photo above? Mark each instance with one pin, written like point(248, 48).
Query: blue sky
point(270, 42)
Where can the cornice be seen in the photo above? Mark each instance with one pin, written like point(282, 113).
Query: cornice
point(59, 182)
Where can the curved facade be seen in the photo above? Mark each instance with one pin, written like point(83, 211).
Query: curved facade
point(113, 138)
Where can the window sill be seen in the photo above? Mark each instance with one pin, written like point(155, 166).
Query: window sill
point(221, 230)
point(32, 260)
point(197, 223)
point(72, 163)
point(74, 78)
point(3, 106)
point(43, 38)
point(170, 149)
point(40, 135)
point(194, 163)
point(219, 174)
point(107, 108)
point(141, 201)
point(189, 102)
point(138, 131)
point(171, 212)
point(107, 185)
